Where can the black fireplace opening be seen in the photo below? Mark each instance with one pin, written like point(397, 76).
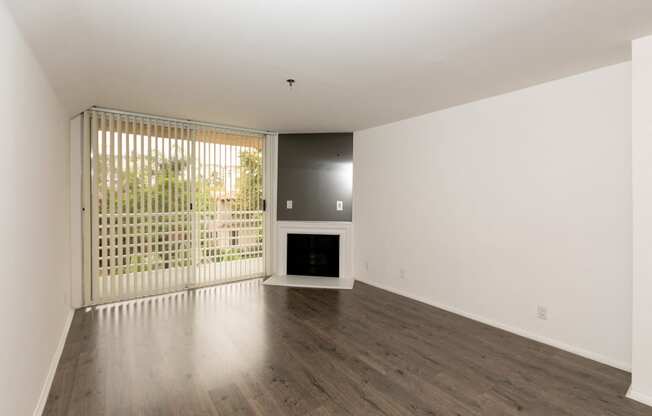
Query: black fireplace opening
point(313, 255)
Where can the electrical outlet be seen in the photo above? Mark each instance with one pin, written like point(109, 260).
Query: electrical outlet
point(402, 273)
point(340, 206)
point(288, 204)
point(542, 312)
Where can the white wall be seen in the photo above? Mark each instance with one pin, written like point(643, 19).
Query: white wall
point(497, 206)
point(642, 188)
point(33, 221)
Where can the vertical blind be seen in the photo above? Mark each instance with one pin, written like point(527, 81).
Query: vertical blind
point(174, 205)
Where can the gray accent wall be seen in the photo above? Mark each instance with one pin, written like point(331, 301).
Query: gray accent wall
point(315, 171)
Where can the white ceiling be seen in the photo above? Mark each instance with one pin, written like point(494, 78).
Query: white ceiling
point(358, 63)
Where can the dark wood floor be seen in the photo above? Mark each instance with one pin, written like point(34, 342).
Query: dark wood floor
point(249, 349)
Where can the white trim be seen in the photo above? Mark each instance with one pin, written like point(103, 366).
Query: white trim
point(47, 385)
point(341, 228)
point(77, 227)
point(518, 331)
point(639, 397)
point(85, 214)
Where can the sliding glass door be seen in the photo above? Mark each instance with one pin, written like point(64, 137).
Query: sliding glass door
point(174, 205)
point(228, 207)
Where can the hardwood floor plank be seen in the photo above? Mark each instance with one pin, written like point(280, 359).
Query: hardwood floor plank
point(247, 349)
point(230, 400)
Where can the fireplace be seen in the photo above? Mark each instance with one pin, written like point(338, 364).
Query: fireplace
point(343, 231)
point(313, 255)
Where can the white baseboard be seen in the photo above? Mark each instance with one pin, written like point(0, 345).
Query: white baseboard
point(45, 391)
point(639, 397)
point(518, 331)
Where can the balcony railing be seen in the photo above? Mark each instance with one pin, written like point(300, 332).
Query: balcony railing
point(147, 243)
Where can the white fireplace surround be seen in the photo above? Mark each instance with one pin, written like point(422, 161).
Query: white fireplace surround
point(342, 229)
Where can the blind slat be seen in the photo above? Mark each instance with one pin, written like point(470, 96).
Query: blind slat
point(173, 206)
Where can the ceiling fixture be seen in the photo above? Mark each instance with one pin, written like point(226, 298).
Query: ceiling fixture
point(290, 82)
